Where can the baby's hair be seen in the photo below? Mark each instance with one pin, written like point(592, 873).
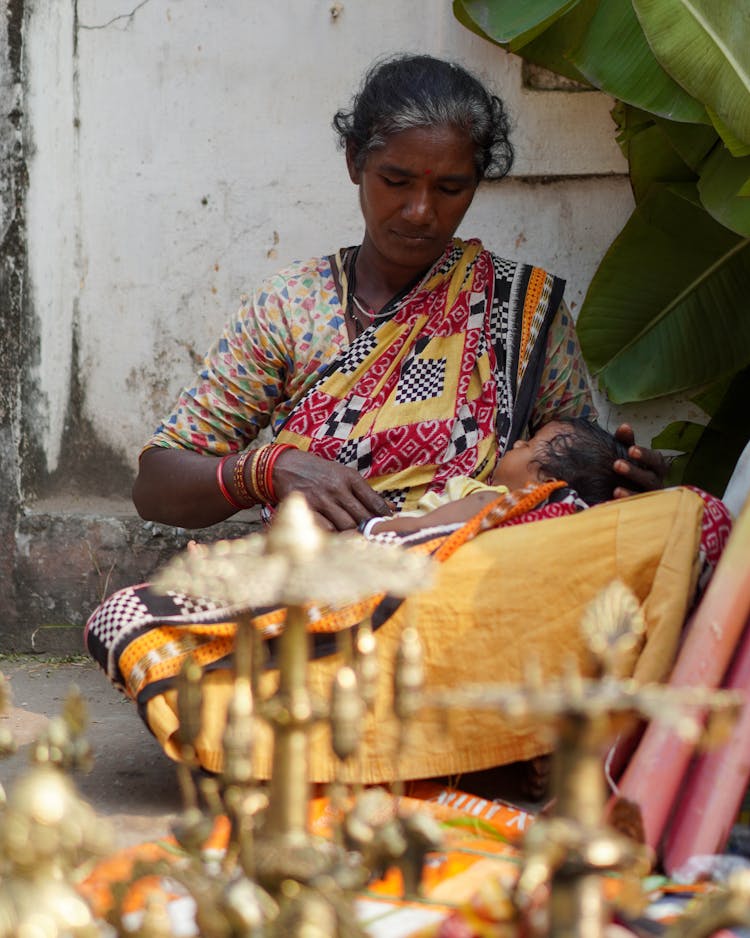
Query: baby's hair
point(582, 454)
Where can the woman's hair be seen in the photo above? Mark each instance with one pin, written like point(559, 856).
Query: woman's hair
point(582, 454)
point(409, 91)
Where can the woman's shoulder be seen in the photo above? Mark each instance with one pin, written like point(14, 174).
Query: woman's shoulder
point(300, 273)
point(498, 260)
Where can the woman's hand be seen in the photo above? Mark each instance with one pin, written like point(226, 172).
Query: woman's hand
point(645, 469)
point(337, 495)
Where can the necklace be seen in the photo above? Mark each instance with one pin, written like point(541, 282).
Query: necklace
point(369, 312)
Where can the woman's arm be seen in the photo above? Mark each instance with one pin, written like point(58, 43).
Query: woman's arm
point(249, 377)
point(179, 487)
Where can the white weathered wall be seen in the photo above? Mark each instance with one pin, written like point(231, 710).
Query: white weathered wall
point(184, 149)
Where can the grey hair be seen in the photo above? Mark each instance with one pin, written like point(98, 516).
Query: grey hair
point(410, 91)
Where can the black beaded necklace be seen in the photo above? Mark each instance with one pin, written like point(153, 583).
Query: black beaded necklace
point(355, 308)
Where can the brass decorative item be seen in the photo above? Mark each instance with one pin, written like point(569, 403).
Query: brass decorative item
point(567, 852)
point(46, 832)
point(276, 878)
point(728, 907)
point(294, 565)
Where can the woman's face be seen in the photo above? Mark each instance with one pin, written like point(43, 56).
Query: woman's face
point(414, 193)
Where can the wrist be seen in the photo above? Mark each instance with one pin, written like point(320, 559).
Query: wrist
point(256, 472)
point(367, 527)
point(229, 496)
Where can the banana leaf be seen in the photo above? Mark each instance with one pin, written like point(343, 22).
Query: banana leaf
point(509, 23)
point(693, 142)
point(705, 46)
point(709, 398)
point(711, 452)
point(459, 11)
point(615, 57)
point(682, 436)
point(735, 146)
point(723, 178)
point(667, 310)
point(713, 459)
point(550, 49)
point(650, 154)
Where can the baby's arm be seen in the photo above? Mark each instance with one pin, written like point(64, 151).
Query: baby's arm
point(456, 512)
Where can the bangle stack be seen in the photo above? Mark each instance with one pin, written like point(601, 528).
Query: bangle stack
point(261, 471)
point(257, 484)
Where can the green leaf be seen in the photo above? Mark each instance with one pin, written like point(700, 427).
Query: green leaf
point(459, 11)
point(652, 158)
point(693, 142)
point(705, 46)
point(615, 57)
point(476, 826)
point(713, 459)
point(550, 49)
point(682, 436)
point(667, 309)
point(722, 180)
point(710, 397)
point(511, 23)
point(735, 146)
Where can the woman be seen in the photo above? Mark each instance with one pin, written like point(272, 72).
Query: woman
point(383, 371)
point(351, 357)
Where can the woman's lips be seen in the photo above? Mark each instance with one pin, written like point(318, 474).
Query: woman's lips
point(413, 236)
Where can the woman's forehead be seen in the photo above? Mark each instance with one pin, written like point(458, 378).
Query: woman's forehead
point(441, 149)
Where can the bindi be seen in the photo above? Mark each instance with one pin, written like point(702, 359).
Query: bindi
point(427, 172)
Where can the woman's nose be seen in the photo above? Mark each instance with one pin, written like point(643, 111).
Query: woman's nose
point(418, 208)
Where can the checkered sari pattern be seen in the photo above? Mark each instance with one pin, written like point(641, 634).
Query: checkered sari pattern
point(430, 393)
point(290, 329)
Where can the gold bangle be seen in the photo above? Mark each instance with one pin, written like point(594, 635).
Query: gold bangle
point(238, 476)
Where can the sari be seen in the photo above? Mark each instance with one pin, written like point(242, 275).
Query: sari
point(441, 385)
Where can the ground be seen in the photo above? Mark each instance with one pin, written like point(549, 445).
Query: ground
point(132, 783)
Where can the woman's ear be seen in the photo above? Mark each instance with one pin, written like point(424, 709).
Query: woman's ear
point(351, 164)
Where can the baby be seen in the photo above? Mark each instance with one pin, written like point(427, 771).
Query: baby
point(571, 449)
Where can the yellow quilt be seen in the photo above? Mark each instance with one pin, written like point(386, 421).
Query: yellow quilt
point(508, 596)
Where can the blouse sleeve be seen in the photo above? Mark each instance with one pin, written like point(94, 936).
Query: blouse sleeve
point(242, 380)
point(564, 389)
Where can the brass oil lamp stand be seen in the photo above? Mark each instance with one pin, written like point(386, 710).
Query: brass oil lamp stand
point(559, 893)
point(295, 564)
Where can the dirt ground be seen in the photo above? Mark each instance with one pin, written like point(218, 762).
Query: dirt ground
point(132, 783)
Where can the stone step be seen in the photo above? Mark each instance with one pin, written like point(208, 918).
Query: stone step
point(73, 553)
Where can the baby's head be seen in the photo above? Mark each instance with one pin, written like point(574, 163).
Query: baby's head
point(572, 449)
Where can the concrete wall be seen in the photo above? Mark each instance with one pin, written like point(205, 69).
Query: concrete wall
point(177, 150)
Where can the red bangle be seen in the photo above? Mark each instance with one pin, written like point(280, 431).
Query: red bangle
point(222, 486)
point(257, 472)
point(277, 450)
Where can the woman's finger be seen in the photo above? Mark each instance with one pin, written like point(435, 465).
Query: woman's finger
point(643, 475)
